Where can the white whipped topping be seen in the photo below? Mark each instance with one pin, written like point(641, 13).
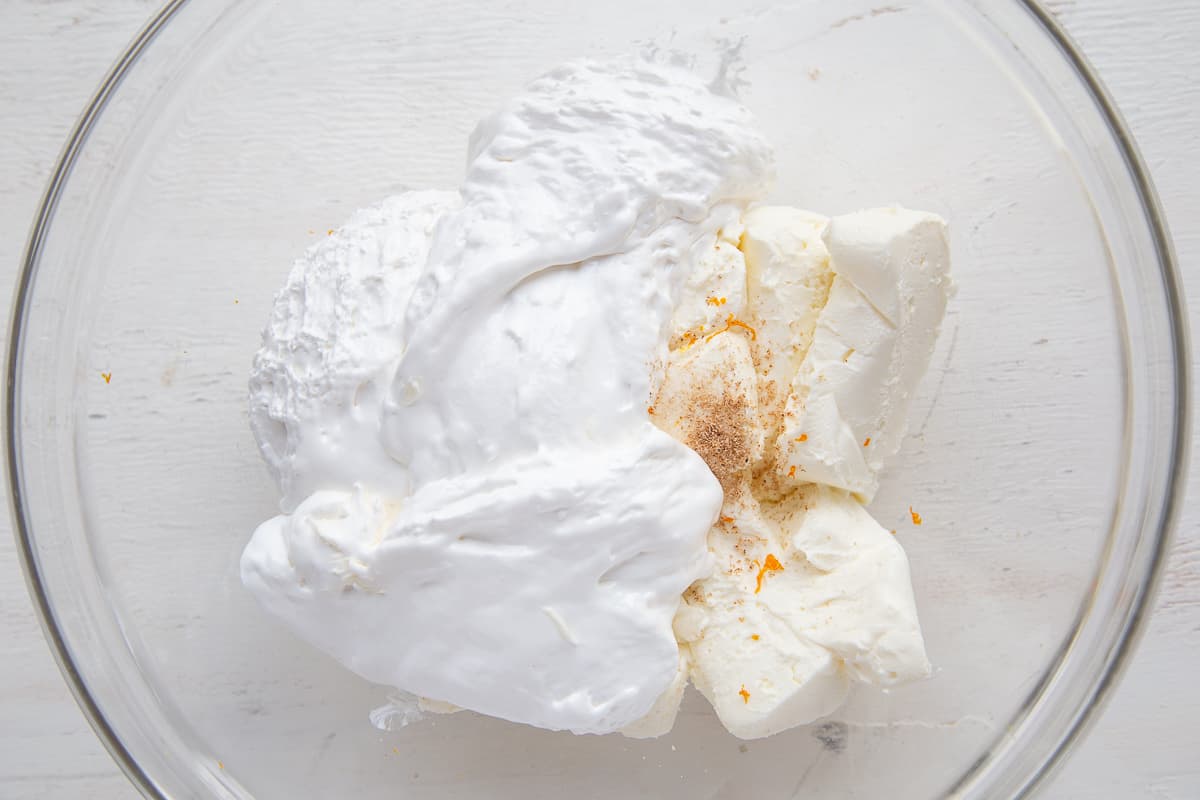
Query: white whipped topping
point(319, 379)
point(481, 512)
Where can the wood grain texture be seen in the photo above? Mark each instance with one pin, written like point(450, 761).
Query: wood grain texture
point(1145, 744)
point(52, 55)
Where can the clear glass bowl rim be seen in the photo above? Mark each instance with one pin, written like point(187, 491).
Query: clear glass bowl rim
point(1165, 508)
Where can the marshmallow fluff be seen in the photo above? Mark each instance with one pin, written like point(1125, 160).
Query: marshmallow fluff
point(551, 445)
point(510, 533)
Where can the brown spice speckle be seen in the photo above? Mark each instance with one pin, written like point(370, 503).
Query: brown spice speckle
point(716, 433)
point(745, 544)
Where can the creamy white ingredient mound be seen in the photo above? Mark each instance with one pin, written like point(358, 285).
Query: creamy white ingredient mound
point(521, 549)
point(512, 424)
point(809, 594)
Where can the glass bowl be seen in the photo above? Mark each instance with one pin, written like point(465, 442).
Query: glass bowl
point(1046, 446)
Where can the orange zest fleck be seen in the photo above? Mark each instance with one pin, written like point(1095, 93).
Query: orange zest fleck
point(792, 471)
point(770, 564)
point(221, 764)
point(650, 410)
point(107, 376)
point(754, 636)
point(916, 518)
point(867, 442)
point(329, 232)
point(745, 695)
point(716, 301)
point(726, 519)
point(733, 322)
point(802, 437)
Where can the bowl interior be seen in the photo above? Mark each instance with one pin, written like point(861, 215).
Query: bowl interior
point(246, 131)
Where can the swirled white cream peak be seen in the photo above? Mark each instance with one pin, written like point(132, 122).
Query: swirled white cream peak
point(452, 394)
point(598, 181)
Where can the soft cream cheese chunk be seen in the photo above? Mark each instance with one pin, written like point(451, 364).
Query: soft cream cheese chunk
point(760, 674)
point(848, 407)
point(715, 289)
point(808, 595)
point(802, 606)
point(788, 275)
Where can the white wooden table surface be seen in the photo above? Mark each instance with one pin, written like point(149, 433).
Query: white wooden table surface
point(1146, 744)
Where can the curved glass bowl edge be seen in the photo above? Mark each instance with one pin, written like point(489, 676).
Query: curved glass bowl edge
point(1137, 609)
